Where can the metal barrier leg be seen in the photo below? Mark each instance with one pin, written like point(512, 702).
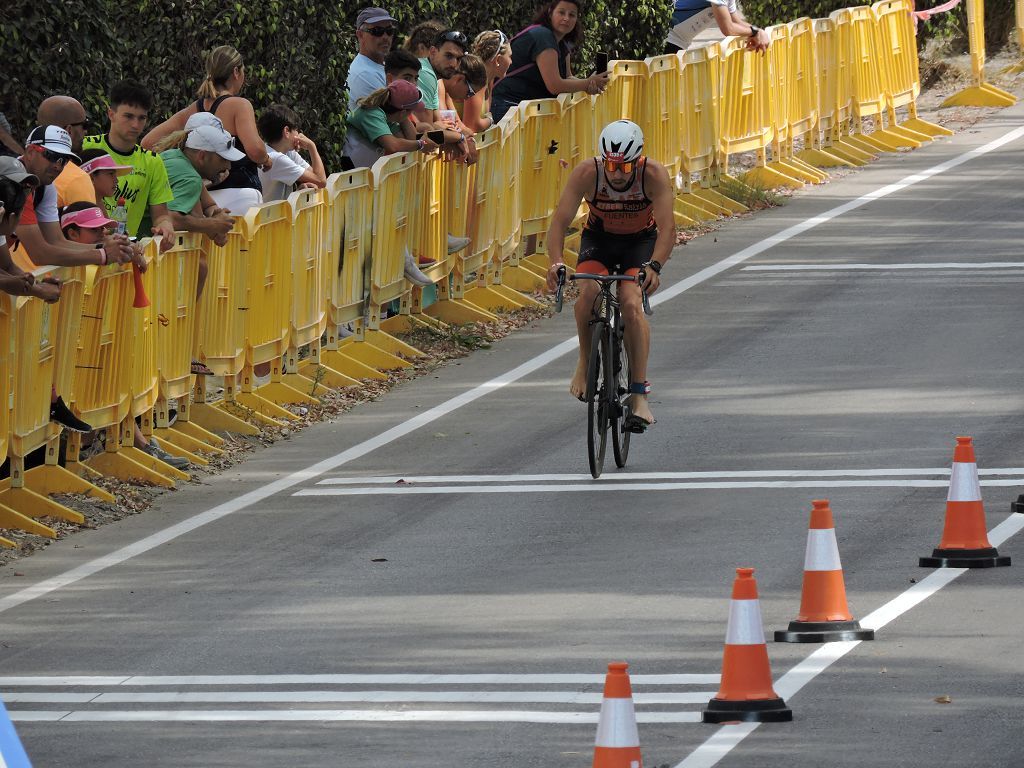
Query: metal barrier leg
point(51, 478)
point(339, 360)
point(984, 95)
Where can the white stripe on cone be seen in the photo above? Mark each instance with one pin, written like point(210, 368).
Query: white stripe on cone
point(617, 726)
point(822, 551)
point(963, 483)
point(745, 626)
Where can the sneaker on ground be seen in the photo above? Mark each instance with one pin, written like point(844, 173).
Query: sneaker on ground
point(60, 413)
point(413, 273)
point(172, 416)
point(153, 449)
point(456, 244)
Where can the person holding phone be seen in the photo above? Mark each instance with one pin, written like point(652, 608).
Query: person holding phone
point(540, 60)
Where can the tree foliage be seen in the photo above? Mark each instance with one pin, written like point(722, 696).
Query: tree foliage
point(296, 51)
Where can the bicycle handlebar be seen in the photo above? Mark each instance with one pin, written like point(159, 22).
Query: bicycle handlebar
point(640, 278)
point(561, 288)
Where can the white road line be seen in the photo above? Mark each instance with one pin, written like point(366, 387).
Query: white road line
point(406, 490)
point(173, 532)
point(339, 715)
point(728, 736)
point(49, 681)
point(793, 473)
point(868, 267)
point(349, 697)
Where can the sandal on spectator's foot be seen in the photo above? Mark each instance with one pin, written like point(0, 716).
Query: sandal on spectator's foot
point(199, 368)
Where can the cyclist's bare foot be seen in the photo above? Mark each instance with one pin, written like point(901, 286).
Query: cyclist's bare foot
point(639, 406)
point(578, 385)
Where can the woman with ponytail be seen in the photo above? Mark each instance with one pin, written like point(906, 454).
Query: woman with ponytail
point(219, 95)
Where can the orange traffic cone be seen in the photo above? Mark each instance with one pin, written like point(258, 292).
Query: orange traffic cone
point(965, 541)
point(746, 691)
point(824, 615)
point(617, 744)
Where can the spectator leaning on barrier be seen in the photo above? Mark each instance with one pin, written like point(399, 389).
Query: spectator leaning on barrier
point(494, 50)
point(219, 95)
point(73, 184)
point(145, 190)
point(443, 61)
point(40, 242)
point(464, 85)
point(422, 37)
point(381, 125)
point(540, 60)
point(16, 189)
point(375, 31)
point(279, 127)
point(691, 17)
point(400, 64)
point(103, 173)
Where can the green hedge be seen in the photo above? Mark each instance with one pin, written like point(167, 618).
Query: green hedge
point(297, 51)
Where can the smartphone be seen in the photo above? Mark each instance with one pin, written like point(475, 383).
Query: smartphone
point(601, 62)
point(436, 136)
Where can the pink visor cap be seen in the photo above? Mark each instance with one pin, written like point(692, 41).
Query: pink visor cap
point(89, 218)
point(105, 163)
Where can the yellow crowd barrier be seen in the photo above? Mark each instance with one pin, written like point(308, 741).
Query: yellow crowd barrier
point(1016, 69)
point(982, 93)
point(509, 271)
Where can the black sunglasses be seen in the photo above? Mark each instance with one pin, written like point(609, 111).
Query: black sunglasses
point(380, 31)
point(453, 36)
point(53, 157)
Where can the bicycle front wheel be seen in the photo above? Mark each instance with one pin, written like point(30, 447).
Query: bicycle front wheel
point(597, 398)
point(620, 400)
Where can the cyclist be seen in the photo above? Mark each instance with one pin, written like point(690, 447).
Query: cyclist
point(630, 226)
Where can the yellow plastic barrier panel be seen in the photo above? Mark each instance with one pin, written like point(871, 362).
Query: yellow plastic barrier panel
point(349, 236)
point(514, 273)
point(309, 302)
point(625, 98)
point(802, 109)
point(662, 116)
point(747, 113)
point(579, 130)
point(1016, 69)
point(395, 197)
point(835, 90)
point(221, 334)
point(861, 41)
point(982, 93)
point(31, 361)
point(172, 291)
point(430, 225)
point(700, 123)
point(540, 170)
point(9, 518)
point(268, 303)
point(897, 48)
point(104, 376)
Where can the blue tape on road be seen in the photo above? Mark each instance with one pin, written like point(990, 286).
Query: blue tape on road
point(12, 754)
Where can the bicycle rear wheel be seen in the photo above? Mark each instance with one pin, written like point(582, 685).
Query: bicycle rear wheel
point(597, 398)
point(620, 399)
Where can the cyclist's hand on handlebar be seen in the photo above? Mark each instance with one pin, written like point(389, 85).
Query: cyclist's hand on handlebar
point(552, 276)
point(652, 280)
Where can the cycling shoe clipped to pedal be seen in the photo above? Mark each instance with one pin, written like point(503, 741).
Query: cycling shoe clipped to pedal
point(636, 425)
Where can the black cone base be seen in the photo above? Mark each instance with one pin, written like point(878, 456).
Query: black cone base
point(823, 632)
point(1018, 505)
point(757, 711)
point(964, 558)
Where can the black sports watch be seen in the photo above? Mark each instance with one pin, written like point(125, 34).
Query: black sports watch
point(655, 265)
point(754, 30)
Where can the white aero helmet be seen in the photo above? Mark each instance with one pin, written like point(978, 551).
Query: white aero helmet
point(621, 141)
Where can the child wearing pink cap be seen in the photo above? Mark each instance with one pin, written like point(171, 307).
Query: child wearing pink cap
point(103, 171)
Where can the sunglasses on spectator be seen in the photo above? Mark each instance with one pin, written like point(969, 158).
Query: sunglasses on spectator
point(380, 31)
point(53, 157)
point(613, 166)
point(453, 36)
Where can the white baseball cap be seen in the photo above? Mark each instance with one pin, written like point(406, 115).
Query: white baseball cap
point(52, 138)
point(210, 138)
point(202, 118)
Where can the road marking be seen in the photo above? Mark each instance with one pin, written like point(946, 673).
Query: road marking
point(794, 473)
point(348, 697)
point(406, 490)
point(869, 267)
point(339, 715)
point(388, 436)
point(345, 679)
point(729, 736)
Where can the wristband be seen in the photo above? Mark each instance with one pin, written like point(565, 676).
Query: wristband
point(462, 138)
point(420, 144)
point(103, 255)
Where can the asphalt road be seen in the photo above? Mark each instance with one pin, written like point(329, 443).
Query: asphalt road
point(307, 609)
